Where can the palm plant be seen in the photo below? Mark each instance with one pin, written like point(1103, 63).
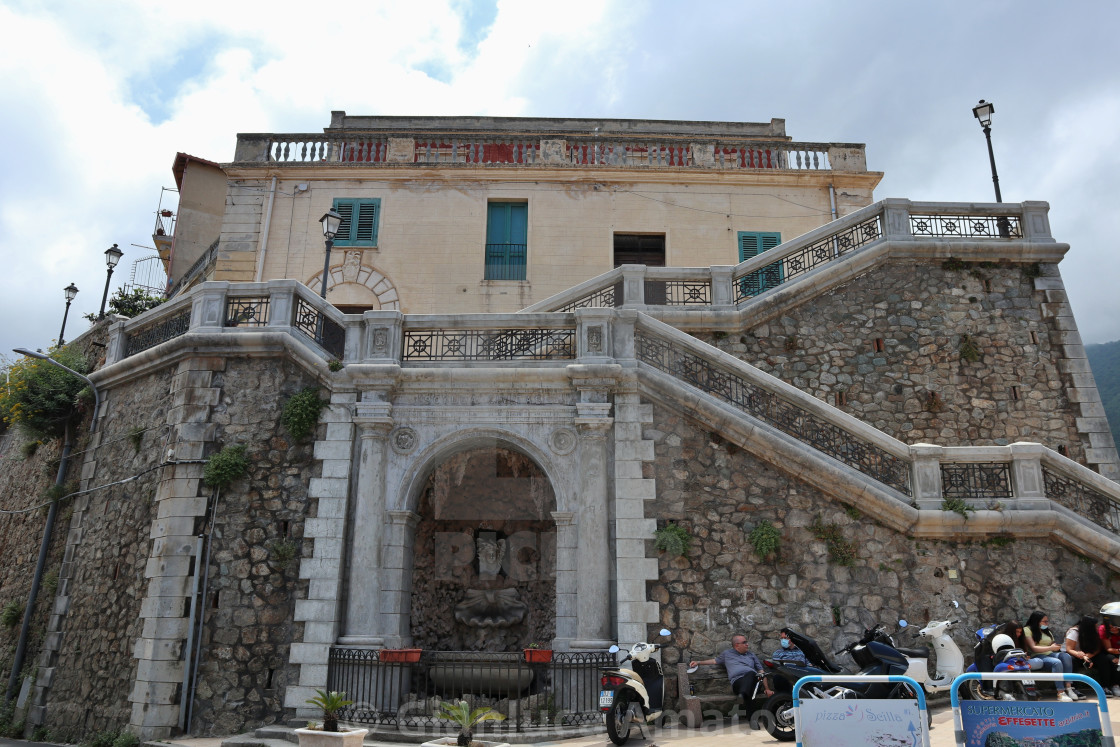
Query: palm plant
point(461, 714)
point(330, 703)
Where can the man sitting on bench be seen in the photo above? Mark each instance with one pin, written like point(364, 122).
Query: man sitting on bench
point(743, 668)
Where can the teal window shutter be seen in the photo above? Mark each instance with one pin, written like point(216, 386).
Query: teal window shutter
point(507, 230)
point(751, 244)
point(360, 218)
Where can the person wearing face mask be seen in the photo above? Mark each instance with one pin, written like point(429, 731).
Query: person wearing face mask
point(1039, 643)
point(789, 652)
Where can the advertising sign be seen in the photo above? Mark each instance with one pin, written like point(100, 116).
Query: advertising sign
point(1014, 723)
point(826, 722)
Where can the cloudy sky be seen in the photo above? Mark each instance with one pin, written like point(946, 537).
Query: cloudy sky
point(97, 97)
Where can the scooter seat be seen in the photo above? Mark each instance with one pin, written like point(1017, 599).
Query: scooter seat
point(913, 653)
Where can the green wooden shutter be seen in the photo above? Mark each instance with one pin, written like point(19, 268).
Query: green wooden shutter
point(751, 244)
point(506, 237)
point(365, 227)
point(345, 208)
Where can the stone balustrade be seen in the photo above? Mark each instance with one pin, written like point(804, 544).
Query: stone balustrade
point(921, 229)
point(644, 152)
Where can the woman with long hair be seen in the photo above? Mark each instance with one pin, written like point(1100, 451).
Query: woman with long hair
point(1083, 643)
point(1047, 653)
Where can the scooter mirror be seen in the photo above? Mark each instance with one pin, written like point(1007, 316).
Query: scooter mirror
point(665, 632)
point(614, 649)
point(955, 605)
point(902, 623)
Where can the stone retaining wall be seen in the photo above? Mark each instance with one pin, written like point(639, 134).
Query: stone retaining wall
point(886, 348)
point(719, 493)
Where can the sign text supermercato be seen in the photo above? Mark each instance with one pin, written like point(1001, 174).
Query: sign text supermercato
point(1025, 710)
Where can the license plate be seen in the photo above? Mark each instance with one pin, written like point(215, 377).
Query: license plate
point(606, 698)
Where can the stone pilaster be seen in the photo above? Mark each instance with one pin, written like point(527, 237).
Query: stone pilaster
point(363, 599)
point(632, 529)
point(1081, 387)
point(567, 578)
point(320, 612)
point(396, 576)
point(181, 505)
point(593, 539)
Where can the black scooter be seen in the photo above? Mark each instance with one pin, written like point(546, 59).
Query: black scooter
point(874, 654)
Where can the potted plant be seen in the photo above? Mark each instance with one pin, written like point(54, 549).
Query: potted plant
point(329, 734)
point(538, 654)
point(399, 655)
point(466, 719)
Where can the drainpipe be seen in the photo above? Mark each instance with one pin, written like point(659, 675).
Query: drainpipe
point(186, 689)
point(832, 203)
point(194, 641)
point(262, 246)
point(21, 646)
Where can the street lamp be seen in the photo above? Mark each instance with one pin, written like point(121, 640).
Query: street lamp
point(70, 291)
point(983, 112)
point(331, 221)
point(112, 256)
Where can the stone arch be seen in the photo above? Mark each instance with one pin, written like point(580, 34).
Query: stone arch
point(436, 453)
point(352, 272)
point(466, 505)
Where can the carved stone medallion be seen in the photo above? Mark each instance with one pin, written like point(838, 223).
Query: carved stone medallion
point(563, 441)
point(403, 440)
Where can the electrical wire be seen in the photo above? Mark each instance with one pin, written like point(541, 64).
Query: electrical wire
point(137, 476)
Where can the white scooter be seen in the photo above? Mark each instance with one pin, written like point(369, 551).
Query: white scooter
point(950, 660)
point(635, 694)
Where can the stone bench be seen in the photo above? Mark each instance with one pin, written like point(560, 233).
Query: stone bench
point(714, 689)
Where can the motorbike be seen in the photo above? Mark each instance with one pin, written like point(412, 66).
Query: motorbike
point(1003, 659)
point(634, 695)
point(873, 653)
point(950, 659)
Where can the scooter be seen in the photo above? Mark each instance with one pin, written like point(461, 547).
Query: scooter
point(1006, 659)
point(873, 653)
point(634, 695)
point(950, 659)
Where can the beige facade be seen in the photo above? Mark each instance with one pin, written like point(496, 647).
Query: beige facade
point(692, 185)
point(202, 187)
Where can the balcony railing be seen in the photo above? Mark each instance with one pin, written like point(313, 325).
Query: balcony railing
point(564, 692)
point(734, 286)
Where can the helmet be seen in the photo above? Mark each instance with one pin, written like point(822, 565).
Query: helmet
point(1002, 641)
point(1111, 613)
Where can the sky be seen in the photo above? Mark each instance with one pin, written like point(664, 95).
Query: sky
point(97, 97)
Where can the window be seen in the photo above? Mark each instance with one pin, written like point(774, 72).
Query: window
point(751, 244)
point(507, 225)
point(359, 222)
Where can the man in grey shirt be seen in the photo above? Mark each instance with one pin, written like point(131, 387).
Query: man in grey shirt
point(743, 668)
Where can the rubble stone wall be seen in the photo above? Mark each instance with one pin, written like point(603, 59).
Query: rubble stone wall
point(720, 493)
point(886, 347)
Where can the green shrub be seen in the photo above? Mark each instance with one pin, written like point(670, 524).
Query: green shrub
point(28, 448)
point(957, 506)
point(673, 539)
point(50, 581)
point(766, 540)
point(41, 398)
point(102, 739)
point(130, 304)
point(136, 436)
point(12, 614)
point(126, 740)
point(968, 349)
point(301, 412)
point(841, 551)
point(226, 466)
point(283, 552)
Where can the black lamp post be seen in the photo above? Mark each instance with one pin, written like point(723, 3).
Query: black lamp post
point(331, 221)
point(112, 256)
point(70, 291)
point(983, 112)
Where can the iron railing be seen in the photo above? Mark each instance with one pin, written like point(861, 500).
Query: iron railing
point(1081, 499)
point(810, 429)
point(247, 311)
point(563, 692)
point(140, 340)
point(976, 481)
point(328, 333)
point(489, 344)
point(678, 292)
point(608, 297)
point(807, 258)
point(967, 226)
point(505, 261)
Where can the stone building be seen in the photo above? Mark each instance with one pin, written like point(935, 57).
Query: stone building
point(543, 343)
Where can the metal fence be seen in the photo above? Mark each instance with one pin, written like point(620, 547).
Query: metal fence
point(407, 695)
point(319, 327)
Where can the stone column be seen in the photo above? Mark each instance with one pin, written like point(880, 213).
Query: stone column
point(593, 610)
point(396, 577)
point(567, 578)
point(723, 294)
point(925, 475)
point(363, 610)
point(1026, 476)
